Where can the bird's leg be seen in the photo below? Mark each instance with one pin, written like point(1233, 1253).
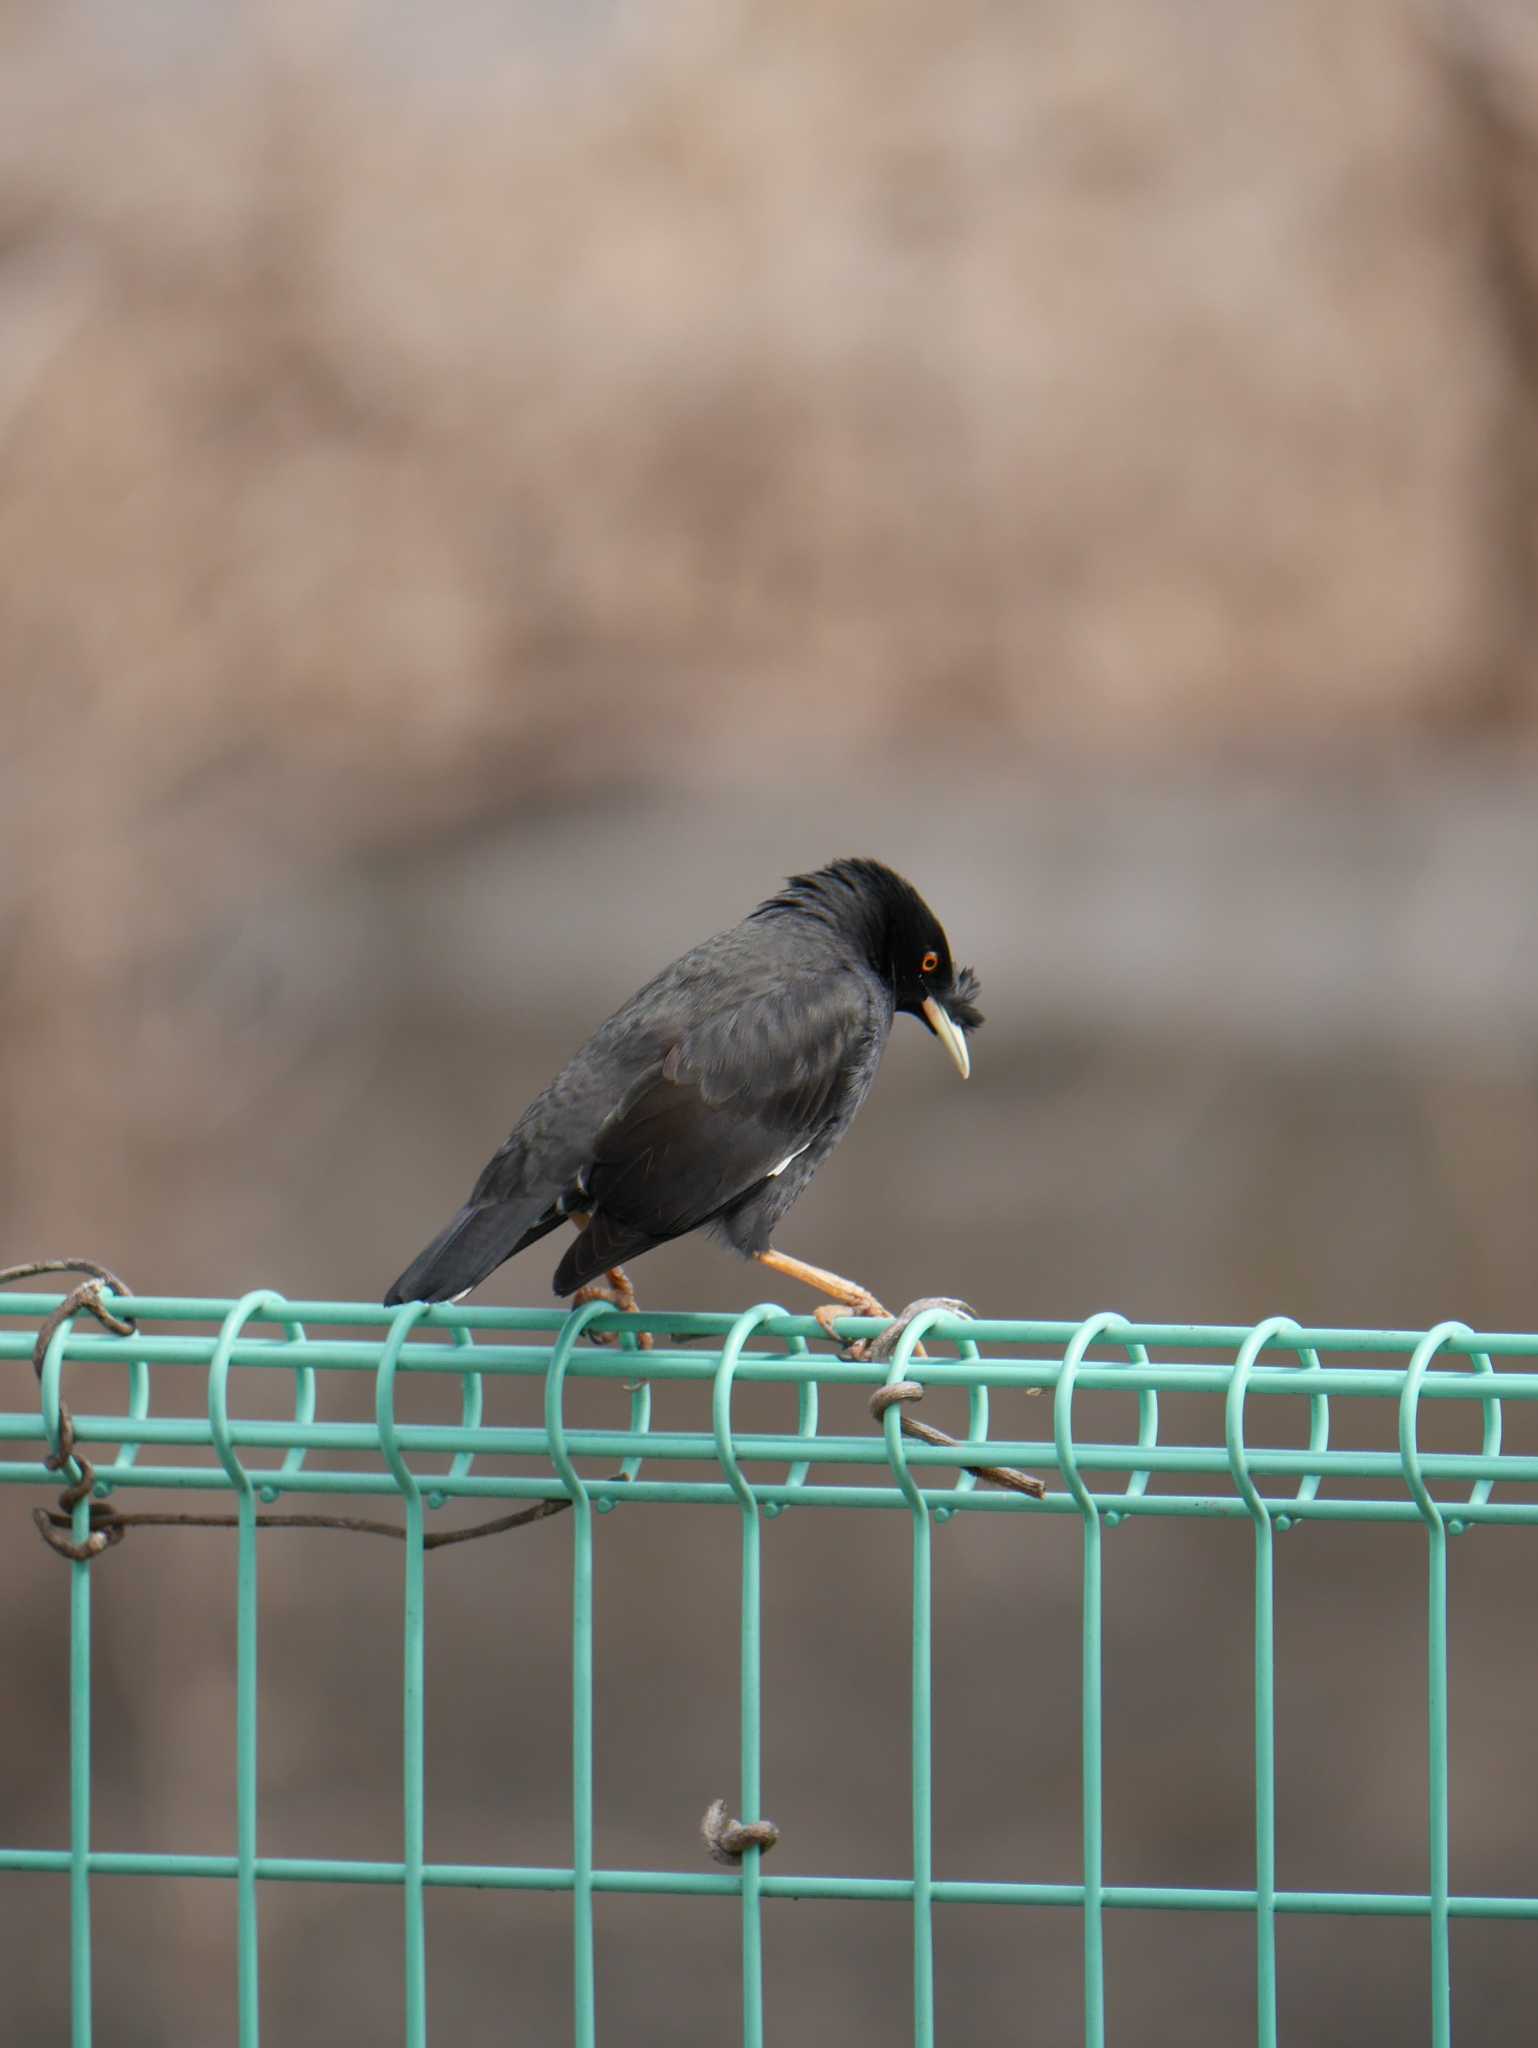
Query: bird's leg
point(848, 1296)
point(615, 1287)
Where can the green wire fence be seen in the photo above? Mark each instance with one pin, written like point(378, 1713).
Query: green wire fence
point(758, 1475)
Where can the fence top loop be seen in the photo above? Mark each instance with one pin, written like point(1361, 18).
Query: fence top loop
point(1089, 1332)
point(261, 1301)
point(48, 1353)
point(1318, 1434)
point(268, 1488)
point(1409, 1424)
point(304, 1409)
point(721, 1397)
point(555, 1394)
point(401, 1324)
point(472, 1407)
point(806, 1424)
point(50, 1386)
point(1490, 1447)
point(1260, 1338)
point(901, 1373)
point(138, 1410)
point(977, 1421)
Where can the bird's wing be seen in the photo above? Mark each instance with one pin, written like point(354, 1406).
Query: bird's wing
point(733, 1101)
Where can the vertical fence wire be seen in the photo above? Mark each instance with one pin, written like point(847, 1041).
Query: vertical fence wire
point(1436, 1676)
point(1263, 1335)
point(922, 1758)
point(413, 1704)
point(1436, 1728)
point(80, 1786)
point(259, 1303)
point(248, 1941)
point(1091, 1734)
point(751, 1669)
point(80, 1986)
point(921, 1709)
point(584, 2014)
point(413, 1707)
point(1107, 1324)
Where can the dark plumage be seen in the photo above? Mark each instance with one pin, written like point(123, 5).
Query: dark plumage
point(716, 1092)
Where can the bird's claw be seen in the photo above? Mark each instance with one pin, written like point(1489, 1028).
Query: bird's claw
point(619, 1293)
point(850, 1349)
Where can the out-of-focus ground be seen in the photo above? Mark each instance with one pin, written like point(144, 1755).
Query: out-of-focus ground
point(483, 493)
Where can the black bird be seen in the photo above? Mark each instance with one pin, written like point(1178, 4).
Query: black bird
point(715, 1093)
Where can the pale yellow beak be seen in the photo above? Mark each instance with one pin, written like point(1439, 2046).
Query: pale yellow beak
point(949, 1033)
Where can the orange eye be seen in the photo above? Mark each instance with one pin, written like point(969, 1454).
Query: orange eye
point(929, 963)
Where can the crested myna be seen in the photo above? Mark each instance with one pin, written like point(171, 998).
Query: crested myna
point(715, 1093)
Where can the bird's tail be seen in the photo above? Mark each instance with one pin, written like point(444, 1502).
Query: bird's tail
point(461, 1256)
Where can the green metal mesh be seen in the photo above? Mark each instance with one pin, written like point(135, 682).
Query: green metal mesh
point(757, 1475)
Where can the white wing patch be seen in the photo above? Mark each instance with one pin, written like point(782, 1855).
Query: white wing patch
point(775, 1171)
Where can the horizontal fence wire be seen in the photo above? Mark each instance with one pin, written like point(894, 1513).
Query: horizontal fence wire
point(1264, 1371)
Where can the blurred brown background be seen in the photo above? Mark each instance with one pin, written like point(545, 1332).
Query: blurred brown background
point(483, 493)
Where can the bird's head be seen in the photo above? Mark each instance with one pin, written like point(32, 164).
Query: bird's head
point(902, 940)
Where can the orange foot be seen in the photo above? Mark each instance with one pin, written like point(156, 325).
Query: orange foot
point(617, 1290)
point(859, 1304)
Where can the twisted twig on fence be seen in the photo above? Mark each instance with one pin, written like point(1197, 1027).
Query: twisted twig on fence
point(883, 1344)
point(726, 1839)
